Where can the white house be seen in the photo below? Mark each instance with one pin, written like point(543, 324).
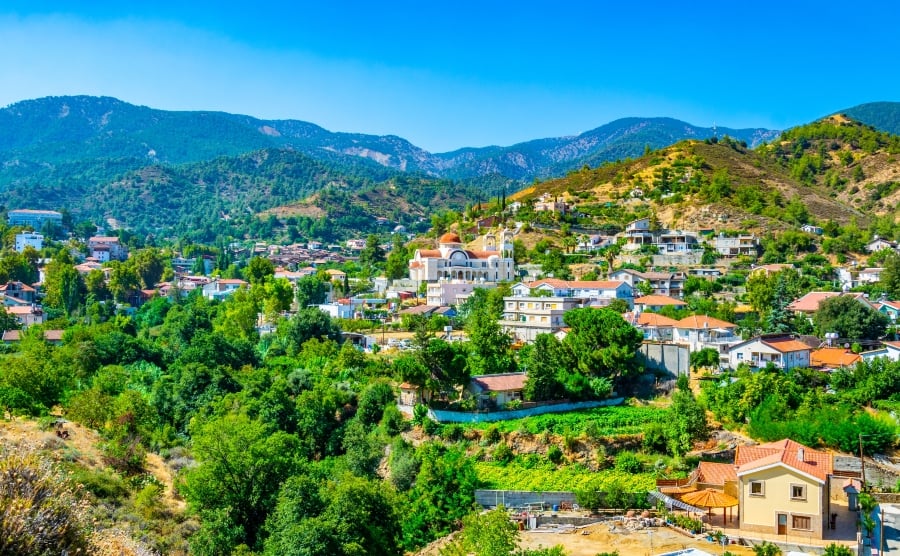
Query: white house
point(891, 350)
point(878, 243)
point(107, 248)
point(584, 289)
point(29, 239)
point(700, 331)
point(445, 293)
point(220, 289)
point(785, 352)
point(526, 317)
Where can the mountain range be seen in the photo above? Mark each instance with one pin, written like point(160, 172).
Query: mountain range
point(91, 154)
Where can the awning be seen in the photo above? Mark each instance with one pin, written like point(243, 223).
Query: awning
point(671, 503)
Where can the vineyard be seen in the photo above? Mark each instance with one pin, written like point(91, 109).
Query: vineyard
point(595, 423)
point(571, 478)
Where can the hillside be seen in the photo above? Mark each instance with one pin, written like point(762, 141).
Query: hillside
point(834, 169)
point(883, 116)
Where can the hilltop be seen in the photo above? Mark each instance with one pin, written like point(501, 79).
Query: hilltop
point(836, 169)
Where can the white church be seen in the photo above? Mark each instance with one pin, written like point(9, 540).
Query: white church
point(452, 262)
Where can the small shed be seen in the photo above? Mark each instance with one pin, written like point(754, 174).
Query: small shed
point(497, 390)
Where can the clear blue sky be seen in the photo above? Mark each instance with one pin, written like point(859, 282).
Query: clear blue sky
point(451, 74)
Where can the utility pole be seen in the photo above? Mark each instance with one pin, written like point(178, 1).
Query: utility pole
point(862, 461)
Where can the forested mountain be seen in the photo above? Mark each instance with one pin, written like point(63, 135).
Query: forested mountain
point(92, 138)
point(883, 116)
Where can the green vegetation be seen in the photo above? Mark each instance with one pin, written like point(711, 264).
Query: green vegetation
point(515, 476)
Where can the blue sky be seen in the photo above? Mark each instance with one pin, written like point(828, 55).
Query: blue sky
point(451, 74)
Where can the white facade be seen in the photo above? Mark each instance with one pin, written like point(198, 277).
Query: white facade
point(337, 310)
point(107, 248)
point(784, 353)
point(220, 289)
point(526, 317)
point(451, 261)
point(736, 246)
point(444, 294)
point(29, 239)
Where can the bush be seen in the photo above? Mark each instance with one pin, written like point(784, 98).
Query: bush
point(492, 435)
point(628, 463)
point(452, 433)
point(554, 454)
point(41, 512)
point(502, 453)
point(148, 502)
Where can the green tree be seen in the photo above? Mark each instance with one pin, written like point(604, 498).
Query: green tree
point(311, 291)
point(308, 323)
point(850, 318)
point(601, 343)
point(259, 270)
point(241, 466)
point(123, 280)
point(279, 295)
point(398, 260)
point(778, 318)
point(489, 346)
point(372, 254)
point(543, 365)
point(688, 423)
point(63, 285)
point(488, 534)
point(149, 265)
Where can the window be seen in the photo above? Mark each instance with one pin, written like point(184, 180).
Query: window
point(801, 522)
point(798, 492)
point(740, 356)
point(757, 488)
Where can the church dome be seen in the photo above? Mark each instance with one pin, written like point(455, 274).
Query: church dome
point(449, 237)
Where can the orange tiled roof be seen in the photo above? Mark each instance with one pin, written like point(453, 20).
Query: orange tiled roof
point(501, 382)
point(699, 322)
point(809, 303)
point(655, 319)
point(658, 300)
point(572, 284)
point(786, 345)
point(785, 452)
point(429, 253)
point(715, 473)
point(833, 357)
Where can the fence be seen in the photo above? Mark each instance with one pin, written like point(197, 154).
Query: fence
point(444, 416)
point(523, 498)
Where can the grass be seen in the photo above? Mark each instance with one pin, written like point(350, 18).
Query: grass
point(597, 422)
point(570, 478)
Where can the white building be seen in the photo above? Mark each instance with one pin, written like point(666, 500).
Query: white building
point(34, 218)
point(602, 290)
point(784, 352)
point(526, 317)
point(220, 289)
point(702, 331)
point(444, 294)
point(29, 239)
point(451, 261)
point(107, 248)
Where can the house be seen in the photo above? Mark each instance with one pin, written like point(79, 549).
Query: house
point(585, 289)
point(654, 326)
point(451, 261)
point(783, 488)
point(869, 275)
point(17, 293)
point(526, 317)
point(783, 351)
point(741, 245)
point(593, 243)
point(340, 309)
point(356, 244)
point(222, 288)
point(335, 275)
point(445, 293)
point(26, 315)
point(33, 218)
point(410, 395)
point(709, 273)
point(107, 248)
point(661, 283)
point(548, 204)
point(29, 239)
point(656, 302)
point(809, 303)
point(831, 358)
point(810, 229)
point(700, 331)
point(889, 308)
point(877, 244)
point(54, 337)
point(497, 390)
point(640, 233)
point(891, 350)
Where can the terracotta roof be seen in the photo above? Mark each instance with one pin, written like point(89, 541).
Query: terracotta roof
point(658, 300)
point(778, 267)
point(482, 254)
point(11, 336)
point(573, 284)
point(104, 239)
point(430, 254)
point(408, 386)
point(53, 335)
point(809, 303)
point(715, 473)
point(700, 322)
point(419, 310)
point(500, 383)
point(27, 310)
point(654, 319)
point(786, 345)
point(891, 304)
point(237, 281)
point(895, 345)
point(833, 357)
point(786, 452)
point(449, 237)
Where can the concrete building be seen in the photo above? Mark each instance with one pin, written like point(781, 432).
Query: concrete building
point(526, 317)
point(445, 293)
point(784, 352)
point(107, 248)
point(746, 245)
point(33, 218)
point(29, 239)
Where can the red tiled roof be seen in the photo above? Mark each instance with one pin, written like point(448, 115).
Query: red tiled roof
point(655, 319)
point(809, 303)
point(786, 452)
point(700, 322)
point(786, 345)
point(11, 336)
point(715, 473)
point(658, 300)
point(53, 335)
point(501, 382)
point(574, 284)
point(429, 253)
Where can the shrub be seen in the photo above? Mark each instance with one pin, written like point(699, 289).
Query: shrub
point(628, 463)
point(147, 502)
point(502, 453)
point(452, 433)
point(492, 435)
point(554, 454)
point(41, 512)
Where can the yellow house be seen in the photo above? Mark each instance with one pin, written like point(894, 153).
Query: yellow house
point(783, 488)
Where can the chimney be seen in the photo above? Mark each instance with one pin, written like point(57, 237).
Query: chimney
point(800, 454)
